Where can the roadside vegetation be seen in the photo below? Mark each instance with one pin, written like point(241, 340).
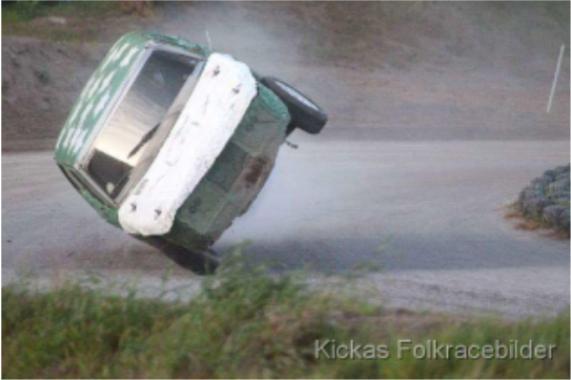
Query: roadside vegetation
point(244, 323)
point(69, 21)
point(21, 11)
point(544, 203)
point(527, 222)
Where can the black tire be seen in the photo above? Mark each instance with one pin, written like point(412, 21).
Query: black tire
point(305, 114)
point(201, 263)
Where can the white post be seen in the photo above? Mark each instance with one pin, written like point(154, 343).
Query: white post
point(557, 69)
point(208, 39)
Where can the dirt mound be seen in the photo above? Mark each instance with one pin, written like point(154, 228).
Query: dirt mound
point(40, 81)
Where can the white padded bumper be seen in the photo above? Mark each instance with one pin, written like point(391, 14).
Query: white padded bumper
point(214, 110)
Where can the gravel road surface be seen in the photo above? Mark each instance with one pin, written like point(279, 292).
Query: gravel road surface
point(425, 218)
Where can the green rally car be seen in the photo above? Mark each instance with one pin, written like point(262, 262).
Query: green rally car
point(171, 141)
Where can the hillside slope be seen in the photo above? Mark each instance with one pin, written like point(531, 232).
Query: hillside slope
point(382, 70)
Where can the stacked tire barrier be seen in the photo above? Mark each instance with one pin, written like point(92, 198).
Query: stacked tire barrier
point(546, 199)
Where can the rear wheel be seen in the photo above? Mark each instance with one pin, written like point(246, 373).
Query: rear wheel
point(305, 114)
point(202, 263)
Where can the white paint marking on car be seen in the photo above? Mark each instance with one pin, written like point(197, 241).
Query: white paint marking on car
point(118, 53)
point(84, 115)
point(64, 137)
point(128, 57)
point(102, 102)
point(88, 86)
point(80, 138)
point(107, 80)
point(94, 87)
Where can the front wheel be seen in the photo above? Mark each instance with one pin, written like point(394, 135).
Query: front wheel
point(305, 114)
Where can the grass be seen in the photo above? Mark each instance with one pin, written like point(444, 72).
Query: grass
point(244, 324)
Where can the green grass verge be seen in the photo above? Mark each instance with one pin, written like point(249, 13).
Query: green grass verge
point(244, 324)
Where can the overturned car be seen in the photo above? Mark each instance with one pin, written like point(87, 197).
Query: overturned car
point(171, 141)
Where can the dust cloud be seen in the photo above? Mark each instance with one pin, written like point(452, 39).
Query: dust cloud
point(420, 71)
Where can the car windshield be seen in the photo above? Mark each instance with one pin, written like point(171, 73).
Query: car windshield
point(128, 140)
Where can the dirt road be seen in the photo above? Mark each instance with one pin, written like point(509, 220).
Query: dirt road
point(426, 216)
